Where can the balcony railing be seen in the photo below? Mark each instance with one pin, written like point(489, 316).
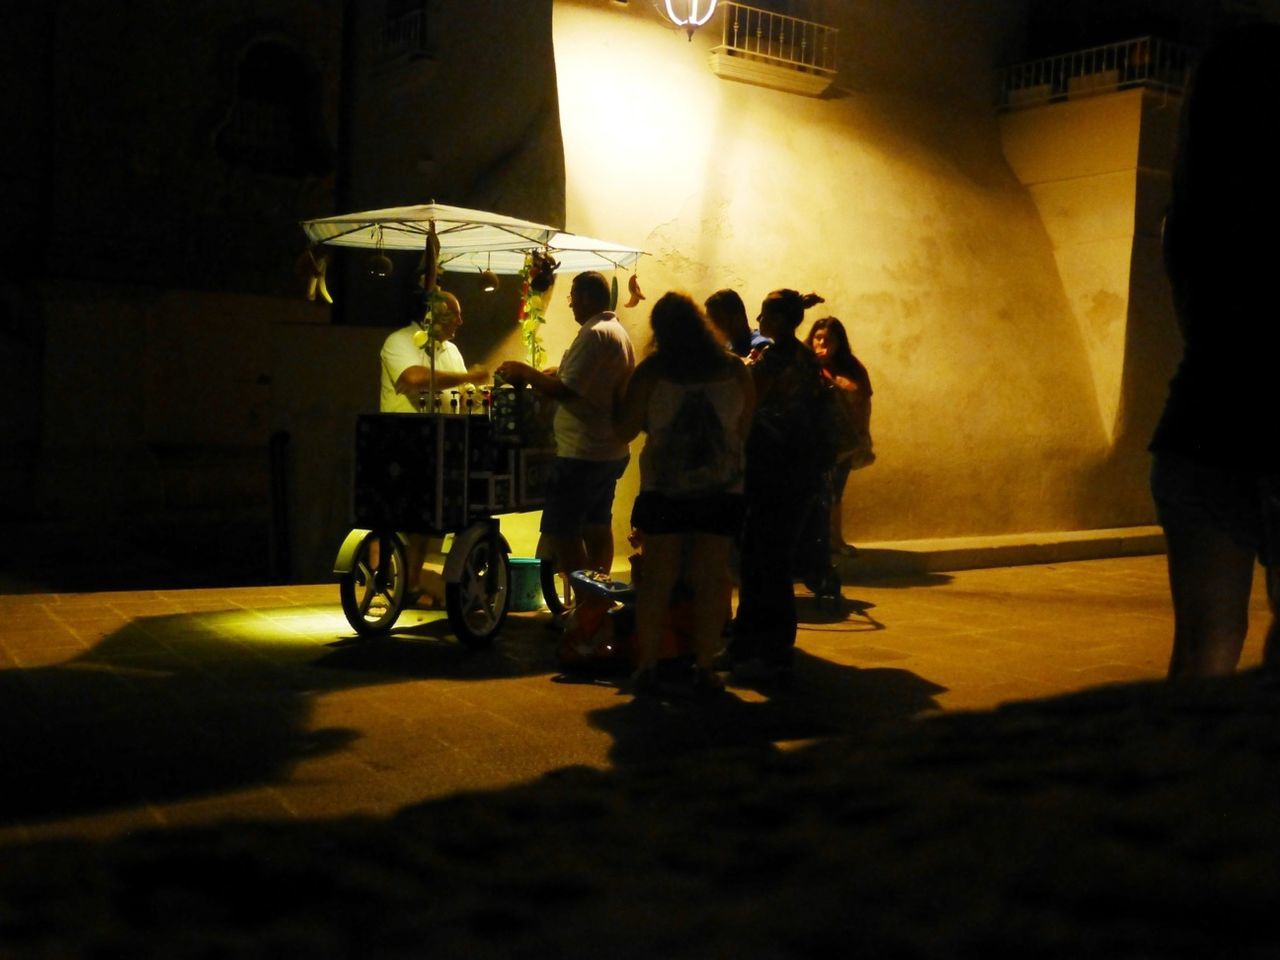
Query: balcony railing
point(1145, 62)
point(406, 34)
point(775, 50)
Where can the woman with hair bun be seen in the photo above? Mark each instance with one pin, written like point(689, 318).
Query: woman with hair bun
point(785, 461)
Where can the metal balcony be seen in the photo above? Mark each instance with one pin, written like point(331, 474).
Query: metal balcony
point(769, 49)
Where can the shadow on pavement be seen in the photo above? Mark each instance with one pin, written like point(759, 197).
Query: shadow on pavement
point(1135, 820)
point(187, 705)
point(824, 699)
point(846, 610)
point(890, 568)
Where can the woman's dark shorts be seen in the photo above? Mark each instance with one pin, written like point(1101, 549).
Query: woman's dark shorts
point(719, 514)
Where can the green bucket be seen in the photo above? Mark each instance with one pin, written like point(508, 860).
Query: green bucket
point(526, 584)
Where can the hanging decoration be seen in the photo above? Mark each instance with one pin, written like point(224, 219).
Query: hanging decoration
point(690, 14)
point(537, 278)
point(633, 288)
point(428, 335)
point(379, 264)
point(488, 279)
point(312, 266)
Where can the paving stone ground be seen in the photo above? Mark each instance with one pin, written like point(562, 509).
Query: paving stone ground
point(966, 762)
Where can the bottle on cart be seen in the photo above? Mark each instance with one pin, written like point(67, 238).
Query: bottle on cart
point(454, 397)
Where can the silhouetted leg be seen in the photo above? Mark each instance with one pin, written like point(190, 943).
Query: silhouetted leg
point(598, 540)
point(659, 570)
point(1210, 576)
point(709, 578)
point(1271, 647)
point(766, 621)
point(567, 553)
point(415, 556)
point(836, 533)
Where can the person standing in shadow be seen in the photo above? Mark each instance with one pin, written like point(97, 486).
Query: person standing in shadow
point(1216, 451)
point(785, 459)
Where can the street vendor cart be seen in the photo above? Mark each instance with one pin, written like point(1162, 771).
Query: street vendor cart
point(448, 475)
point(449, 471)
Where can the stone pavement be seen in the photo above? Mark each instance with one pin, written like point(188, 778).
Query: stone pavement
point(227, 772)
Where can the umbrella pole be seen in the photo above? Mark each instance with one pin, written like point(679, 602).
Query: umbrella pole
point(431, 262)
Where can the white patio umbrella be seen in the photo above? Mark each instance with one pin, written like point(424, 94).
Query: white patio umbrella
point(574, 253)
point(459, 229)
point(469, 239)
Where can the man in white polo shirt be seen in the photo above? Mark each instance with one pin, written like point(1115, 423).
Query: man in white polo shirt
point(577, 526)
point(406, 365)
point(406, 388)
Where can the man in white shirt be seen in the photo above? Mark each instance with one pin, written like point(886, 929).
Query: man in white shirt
point(406, 366)
point(406, 388)
point(577, 526)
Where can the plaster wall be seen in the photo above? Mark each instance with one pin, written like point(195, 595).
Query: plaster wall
point(1097, 169)
point(1078, 159)
point(894, 200)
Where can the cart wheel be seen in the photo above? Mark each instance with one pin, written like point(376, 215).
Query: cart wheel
point(373, 594)
point(555, 588)
point(477, 602)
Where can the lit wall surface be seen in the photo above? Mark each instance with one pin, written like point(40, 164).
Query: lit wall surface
point(996, 348)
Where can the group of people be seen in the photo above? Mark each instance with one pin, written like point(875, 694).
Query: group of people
point(737, 452)
point(732, 453)
point(749, 397)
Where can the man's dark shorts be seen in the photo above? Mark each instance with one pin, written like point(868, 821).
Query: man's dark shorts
point(580, 494)
point(1244, 506)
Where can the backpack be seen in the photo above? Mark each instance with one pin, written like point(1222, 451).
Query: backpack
point(695, 456)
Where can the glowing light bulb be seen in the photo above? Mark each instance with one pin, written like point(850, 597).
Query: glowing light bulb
point(695, 14)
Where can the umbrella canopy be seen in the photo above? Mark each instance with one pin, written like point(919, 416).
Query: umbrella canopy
point(405, 228)
point(574, 254)
point(469, 239)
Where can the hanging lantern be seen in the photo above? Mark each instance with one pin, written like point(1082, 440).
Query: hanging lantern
point(690, 14)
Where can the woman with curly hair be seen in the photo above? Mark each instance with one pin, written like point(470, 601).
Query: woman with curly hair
point(694, 401)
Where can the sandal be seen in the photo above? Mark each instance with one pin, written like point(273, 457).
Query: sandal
point(706, 683)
